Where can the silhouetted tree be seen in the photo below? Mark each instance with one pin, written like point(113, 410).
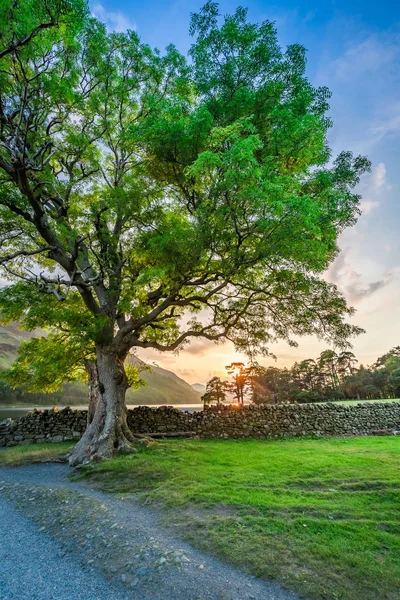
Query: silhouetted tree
point(216, 390)
point(239, 375)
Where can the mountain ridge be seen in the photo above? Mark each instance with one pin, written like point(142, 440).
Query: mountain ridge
point(199, 387)
point(161, 384)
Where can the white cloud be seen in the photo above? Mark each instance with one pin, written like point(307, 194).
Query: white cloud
point(368, 205)
point(379, 175)
point(350, 282)
point(369, 55)
point(388, 123)
point(114, 20)
point(365, 83)
point(374, 188)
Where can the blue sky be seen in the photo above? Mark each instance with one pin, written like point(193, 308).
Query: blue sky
point(354, 49)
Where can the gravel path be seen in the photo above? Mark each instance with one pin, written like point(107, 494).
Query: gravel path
point(100, 541)
point(33, 566)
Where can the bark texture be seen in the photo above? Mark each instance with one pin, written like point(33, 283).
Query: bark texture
point(94, 388)
point(107, 430)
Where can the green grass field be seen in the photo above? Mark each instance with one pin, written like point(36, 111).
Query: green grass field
point(33, 453)
point(322, 516)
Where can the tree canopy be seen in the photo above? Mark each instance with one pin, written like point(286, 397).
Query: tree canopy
point(159, 199)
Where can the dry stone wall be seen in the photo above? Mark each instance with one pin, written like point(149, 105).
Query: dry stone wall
point(264, 421)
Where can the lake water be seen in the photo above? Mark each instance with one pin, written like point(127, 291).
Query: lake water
point(15, 413)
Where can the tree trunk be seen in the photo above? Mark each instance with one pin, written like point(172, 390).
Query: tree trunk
point(107, 431)
point(94, 388)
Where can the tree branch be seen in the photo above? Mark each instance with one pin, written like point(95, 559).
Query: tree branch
point(19, 44)
point(9, 257)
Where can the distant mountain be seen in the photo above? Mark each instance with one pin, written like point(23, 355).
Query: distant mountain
point(199, 387)
point(10, 339)
point(163, 386)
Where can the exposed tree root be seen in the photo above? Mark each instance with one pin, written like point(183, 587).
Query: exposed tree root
point(92, 447)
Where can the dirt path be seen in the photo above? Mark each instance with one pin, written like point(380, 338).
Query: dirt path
point(112, 542)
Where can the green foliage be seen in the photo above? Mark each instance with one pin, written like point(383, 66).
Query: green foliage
point(145, 202)
point(45, 363)
point(133, 376)
point(381, 379)
point(27, 24)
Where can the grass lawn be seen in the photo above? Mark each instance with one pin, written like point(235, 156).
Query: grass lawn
point(33, 453)
point(320, 516)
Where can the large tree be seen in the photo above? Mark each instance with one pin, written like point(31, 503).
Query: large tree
point(166, 201)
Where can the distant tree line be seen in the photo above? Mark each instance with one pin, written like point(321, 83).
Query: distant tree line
point(332, 376)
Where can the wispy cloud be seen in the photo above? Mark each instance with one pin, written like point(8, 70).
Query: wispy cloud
point(368, 206)
point(199, 347)
point(186, 372)
point(350, 281)
point(388, 122)
point(371, 54)
point(114, 20)
point(365, 81)
point(374, 188)
point(379, 175)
